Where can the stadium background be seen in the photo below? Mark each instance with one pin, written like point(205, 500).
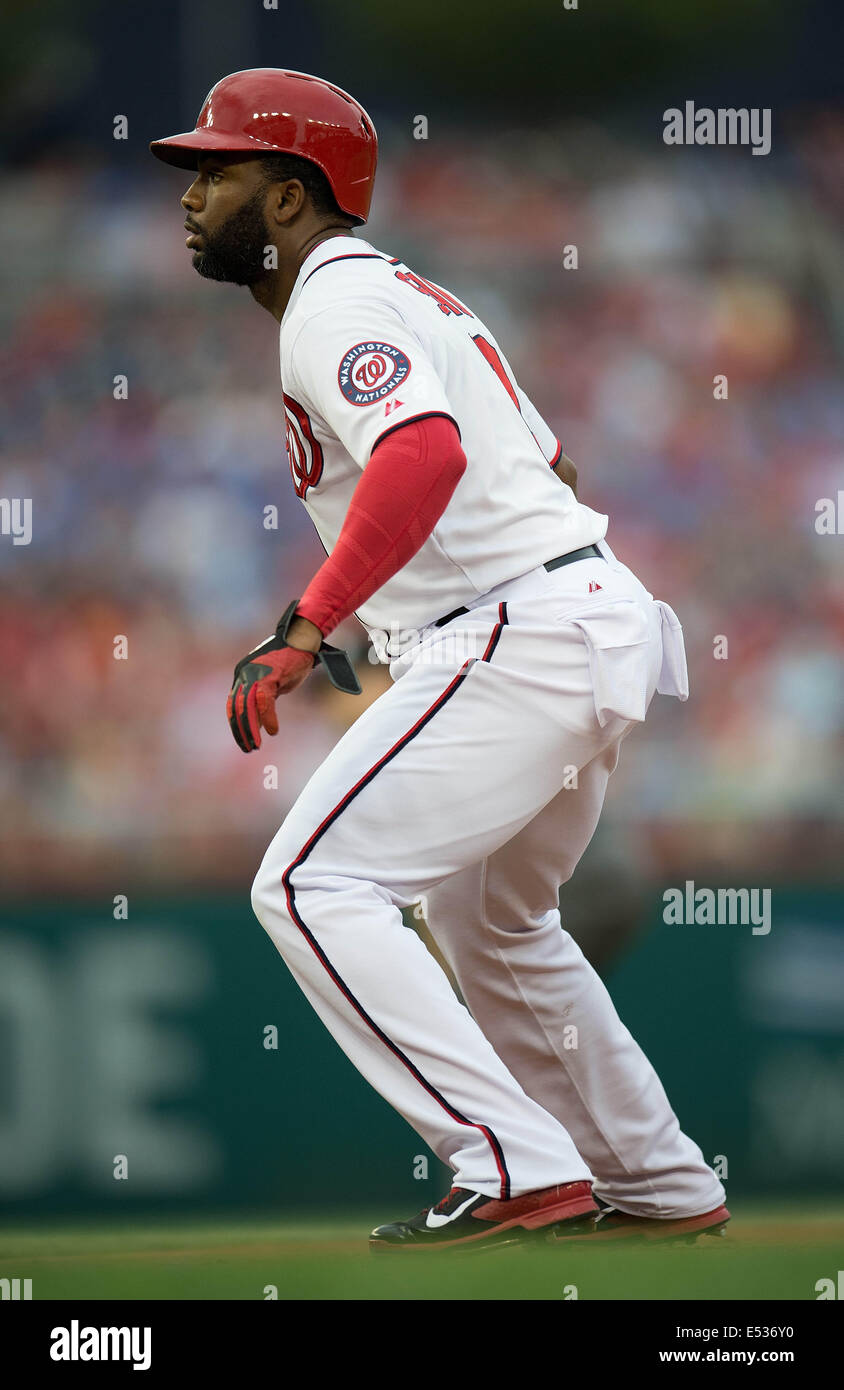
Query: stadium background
point(145, 1036)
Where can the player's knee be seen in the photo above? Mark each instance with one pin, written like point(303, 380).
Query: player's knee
point(565, 869)
point(281, 880)
point(512, 912)
point(256, 896)
point(261, 896)
point(271, 888)
point(269, 895)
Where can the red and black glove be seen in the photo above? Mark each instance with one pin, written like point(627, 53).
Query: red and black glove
point(271, 669)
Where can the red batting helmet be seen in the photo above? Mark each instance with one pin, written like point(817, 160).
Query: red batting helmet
point(262, 111)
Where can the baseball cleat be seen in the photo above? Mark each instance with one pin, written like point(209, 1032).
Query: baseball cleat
point(612, 1224)
point(468, 1218)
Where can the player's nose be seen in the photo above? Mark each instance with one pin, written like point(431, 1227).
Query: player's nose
point(191, 199)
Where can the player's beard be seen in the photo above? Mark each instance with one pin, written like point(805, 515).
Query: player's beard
point(235, 253)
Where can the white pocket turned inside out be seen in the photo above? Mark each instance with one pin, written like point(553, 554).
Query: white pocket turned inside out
point(674, 672)
point(617, 638)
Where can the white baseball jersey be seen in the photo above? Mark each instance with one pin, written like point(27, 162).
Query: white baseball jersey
point(366, 346)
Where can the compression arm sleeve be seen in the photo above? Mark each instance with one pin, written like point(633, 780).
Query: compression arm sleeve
point(404, 490)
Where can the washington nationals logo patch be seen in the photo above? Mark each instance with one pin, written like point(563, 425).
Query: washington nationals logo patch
point(370, 371)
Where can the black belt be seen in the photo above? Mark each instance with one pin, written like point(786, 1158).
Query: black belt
point(584, 553)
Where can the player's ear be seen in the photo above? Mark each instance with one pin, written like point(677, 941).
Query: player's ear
point(287, 200)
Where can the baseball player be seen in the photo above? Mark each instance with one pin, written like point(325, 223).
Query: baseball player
point(521, 652)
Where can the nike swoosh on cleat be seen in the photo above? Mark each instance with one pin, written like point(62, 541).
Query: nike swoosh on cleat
point(434, 1219)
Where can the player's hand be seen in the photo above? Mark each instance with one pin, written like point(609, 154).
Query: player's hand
point(276, 667)
point(565, 469)
point(270, 670)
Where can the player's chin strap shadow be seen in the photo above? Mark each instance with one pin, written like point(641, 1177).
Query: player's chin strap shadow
point(338, 667)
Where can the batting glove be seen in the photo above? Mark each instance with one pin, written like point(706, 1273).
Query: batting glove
point(271, 669)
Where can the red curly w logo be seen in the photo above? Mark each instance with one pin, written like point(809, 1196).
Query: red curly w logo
point(370, 370)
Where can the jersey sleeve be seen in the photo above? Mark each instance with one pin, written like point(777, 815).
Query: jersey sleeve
point(363, 371)
point(542, 433)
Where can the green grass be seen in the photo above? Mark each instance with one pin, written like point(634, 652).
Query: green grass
point(769, 1253)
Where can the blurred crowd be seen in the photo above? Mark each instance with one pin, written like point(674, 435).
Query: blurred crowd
point(149, 512)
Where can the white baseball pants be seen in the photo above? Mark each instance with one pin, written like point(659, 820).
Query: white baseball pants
point(475, 784)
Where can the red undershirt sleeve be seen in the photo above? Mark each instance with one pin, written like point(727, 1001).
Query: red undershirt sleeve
point(403, 491)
